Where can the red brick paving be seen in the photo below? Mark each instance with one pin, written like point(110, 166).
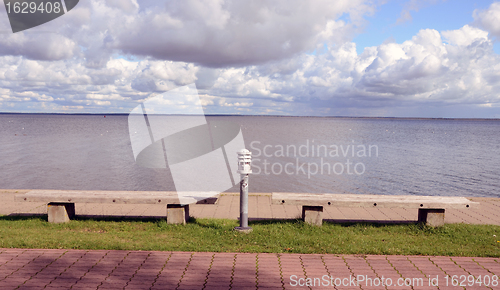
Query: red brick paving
point(79, 269)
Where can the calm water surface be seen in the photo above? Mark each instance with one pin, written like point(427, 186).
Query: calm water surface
point(291, 154)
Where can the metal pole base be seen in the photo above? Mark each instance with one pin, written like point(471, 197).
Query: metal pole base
point(245, 230)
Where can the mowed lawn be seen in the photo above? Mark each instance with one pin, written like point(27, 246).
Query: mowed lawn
point(277, 236)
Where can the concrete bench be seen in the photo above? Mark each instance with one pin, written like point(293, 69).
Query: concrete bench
point(430, 208)
point(61, 203)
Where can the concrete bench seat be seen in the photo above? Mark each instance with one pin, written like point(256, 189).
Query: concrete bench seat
point(61, 203)
point(430, 208)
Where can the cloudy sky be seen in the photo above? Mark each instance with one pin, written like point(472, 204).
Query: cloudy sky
point(431, 58)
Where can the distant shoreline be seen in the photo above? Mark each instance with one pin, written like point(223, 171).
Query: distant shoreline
point(238, 115)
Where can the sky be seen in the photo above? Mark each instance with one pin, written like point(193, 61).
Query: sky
point(373, 58)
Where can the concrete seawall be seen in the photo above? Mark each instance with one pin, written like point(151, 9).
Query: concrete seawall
point(260, 207)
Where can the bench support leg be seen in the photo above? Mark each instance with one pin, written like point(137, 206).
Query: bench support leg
point(431, 216)
point(60, 212)
point(177, 214)
point(312, 215)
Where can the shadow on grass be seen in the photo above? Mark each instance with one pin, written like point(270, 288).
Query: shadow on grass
point(406, 227)
point(221, 223)
point(342, 223)
point(23, 217)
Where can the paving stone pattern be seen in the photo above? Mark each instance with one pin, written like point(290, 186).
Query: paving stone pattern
point(80, 269)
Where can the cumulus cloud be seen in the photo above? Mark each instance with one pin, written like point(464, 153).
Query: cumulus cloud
point(233, 33)
point(424, 70)
point(465, 35)
point(245, 57)
point(46, 46)
point(489, 19)
point(213, 33)
point(439, 68)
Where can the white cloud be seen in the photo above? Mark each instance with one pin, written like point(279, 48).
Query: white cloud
point(421, 70)
point(465, 35)
point(489, 18)
point(217, 33)
point(47, 46)
point(245, 57)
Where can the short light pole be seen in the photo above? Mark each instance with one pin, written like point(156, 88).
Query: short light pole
point(244, 168)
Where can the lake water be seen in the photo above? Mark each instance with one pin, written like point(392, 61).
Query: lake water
point(290, 154)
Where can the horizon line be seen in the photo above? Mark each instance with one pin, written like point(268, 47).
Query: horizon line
point(240, 115)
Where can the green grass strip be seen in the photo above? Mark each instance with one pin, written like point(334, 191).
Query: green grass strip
point(217, 235)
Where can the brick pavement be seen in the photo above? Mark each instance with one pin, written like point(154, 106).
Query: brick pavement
point(80, 269)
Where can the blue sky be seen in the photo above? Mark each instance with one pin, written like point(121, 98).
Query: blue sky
point(439, 15)
point(430, 58)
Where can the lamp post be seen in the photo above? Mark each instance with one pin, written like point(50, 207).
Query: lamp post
point(244, 168)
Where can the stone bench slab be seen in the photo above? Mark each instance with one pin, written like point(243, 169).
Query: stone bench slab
point(61, 203)
point(430, 208)
point(118, 197)
point(371, 200)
